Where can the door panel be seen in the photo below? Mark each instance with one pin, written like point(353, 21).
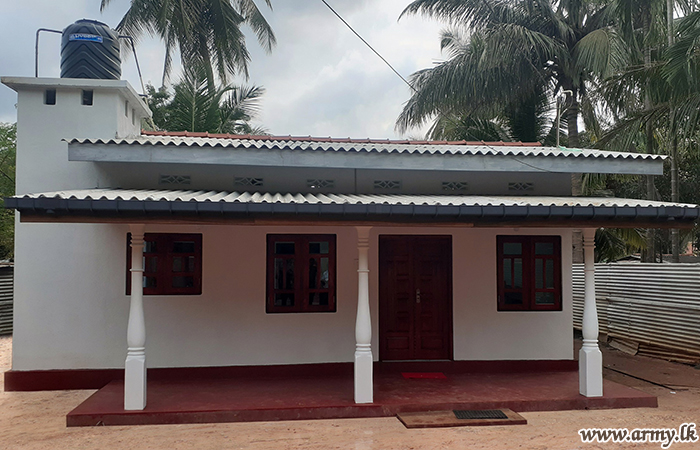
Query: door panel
point(415, 297)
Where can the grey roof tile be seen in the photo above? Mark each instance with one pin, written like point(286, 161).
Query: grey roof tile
point(358, 146)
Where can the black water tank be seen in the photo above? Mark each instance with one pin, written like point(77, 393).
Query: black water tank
point(90, 49)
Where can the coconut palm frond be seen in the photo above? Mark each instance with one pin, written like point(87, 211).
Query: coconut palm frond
point(206, 32)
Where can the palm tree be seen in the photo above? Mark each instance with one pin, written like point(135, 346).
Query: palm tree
point(206, 32)
point(515, 49)
point(194, 107)
point(665, 73)
point(522, 119)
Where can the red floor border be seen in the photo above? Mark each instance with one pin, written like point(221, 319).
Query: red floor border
point(67, 379)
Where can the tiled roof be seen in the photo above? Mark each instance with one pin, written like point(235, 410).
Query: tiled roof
point(289, 143)
point(187, 196)
point(263, 137)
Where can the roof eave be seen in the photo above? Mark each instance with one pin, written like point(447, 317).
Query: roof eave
point(129, 211)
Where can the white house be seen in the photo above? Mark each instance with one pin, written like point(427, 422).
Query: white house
point(257, 251)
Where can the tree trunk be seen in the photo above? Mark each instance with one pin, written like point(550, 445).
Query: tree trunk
point(675, 237)
point(650, 255)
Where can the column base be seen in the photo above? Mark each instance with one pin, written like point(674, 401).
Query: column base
point(364, 387)
point(590, 371)
point(135, 382)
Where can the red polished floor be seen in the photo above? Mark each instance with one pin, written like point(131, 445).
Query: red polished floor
point(330, 395)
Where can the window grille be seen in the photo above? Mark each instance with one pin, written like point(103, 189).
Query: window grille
point(455, 186)
point(520, 186)
point(175, 179)
point(387, 184)
point(320, 184)
point(247, 181)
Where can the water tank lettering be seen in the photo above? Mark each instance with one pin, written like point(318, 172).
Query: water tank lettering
point(85, 37)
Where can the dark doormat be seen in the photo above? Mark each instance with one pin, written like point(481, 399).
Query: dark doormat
point(435, 419)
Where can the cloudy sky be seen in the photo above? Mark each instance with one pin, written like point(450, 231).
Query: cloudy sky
point(320, 79)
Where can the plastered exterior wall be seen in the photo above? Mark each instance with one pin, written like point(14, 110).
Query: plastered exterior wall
point(72, 312)
point(71, 309)
point(290, 179)
point(57, 267)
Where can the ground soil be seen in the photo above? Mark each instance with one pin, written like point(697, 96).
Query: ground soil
point(36, 420)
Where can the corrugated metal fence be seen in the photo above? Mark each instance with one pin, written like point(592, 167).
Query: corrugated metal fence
point(651, 309)
point(6, 299)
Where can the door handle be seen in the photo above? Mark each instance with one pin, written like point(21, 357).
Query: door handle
point(417, 295)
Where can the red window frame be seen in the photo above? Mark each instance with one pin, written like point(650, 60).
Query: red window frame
point(530, 289)
point(301, 289)
point(161, 270)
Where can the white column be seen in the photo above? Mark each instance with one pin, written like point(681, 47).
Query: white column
point(135, 366)
point(590, 359)
point(363, 324)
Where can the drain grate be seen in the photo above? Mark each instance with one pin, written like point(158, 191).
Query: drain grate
point(480, 414)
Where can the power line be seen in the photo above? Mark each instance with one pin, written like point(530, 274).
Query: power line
point(368, 45)
point(411, 86)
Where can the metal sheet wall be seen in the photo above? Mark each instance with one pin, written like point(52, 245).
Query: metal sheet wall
point(6, 299)
point(654, 305)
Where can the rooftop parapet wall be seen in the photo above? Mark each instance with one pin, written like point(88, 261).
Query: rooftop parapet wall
point(52, 109)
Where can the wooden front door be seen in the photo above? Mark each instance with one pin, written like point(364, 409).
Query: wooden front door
point(415, 297)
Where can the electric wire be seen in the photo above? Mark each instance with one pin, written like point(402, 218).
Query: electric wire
point(369, 46)
point(415, 90)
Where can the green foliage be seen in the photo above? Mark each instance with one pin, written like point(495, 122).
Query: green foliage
point(611, 244)
point(8, 151)
point(195, 107)
point(515, 54)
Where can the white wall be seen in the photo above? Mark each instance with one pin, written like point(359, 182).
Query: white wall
point(70, 304)
point(72, 309)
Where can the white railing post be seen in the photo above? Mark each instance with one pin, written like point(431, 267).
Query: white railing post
point(135, 365)
point(590, 359)
point(363, 324)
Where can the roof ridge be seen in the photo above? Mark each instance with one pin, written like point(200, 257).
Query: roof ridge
point(336, 140)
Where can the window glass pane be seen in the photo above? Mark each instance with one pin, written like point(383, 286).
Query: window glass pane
point(150, 247)
point(50, 97)
point(313, 273)
point(183, 247)
point(544, 248)
point(177, 264)
point(284, 299)
point(512, 248)
point(190, 263)
point(183, 282)
point(150, 282)
point(538, 274)
point(87, 98)
point(517, 273)
point(284, 273)
point(544, 298)
point(324, 273)
point(316, 248)
point(289, 278)
point(284, 248)
point(150, 264)
point(513, 298)
point(318, 298)
point(549, 265)
point(507, 273)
